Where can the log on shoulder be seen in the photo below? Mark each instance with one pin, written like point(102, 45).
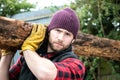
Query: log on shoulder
point(14, 32)
point(89, 45)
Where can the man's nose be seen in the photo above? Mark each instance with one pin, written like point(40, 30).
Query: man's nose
point(61, 36)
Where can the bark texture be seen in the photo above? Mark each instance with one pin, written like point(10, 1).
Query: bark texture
point(14, 32)
point(89, 45)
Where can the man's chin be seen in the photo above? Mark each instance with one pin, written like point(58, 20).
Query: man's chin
point(57, 50)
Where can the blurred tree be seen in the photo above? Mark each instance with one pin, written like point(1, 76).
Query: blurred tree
point(100, 18)
point(11, 7)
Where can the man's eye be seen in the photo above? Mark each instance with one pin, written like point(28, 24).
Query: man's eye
point(58, 30)
point(67, 34)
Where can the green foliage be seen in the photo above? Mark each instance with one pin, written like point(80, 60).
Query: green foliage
point(91, 64)
point(100, 18)
point(114, 35)
point(11, 7)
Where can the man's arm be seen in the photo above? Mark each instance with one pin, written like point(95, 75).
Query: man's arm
point(5, 63)
point(42, 68)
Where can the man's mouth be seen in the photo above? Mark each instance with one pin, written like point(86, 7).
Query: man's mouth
point(60, 44)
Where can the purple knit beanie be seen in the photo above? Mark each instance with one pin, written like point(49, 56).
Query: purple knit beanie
point(65, 19)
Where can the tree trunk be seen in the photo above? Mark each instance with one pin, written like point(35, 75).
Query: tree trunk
point(14, 32)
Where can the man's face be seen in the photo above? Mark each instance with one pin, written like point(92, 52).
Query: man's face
point(59, 39)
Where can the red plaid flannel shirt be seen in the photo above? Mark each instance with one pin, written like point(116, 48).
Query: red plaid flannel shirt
point(68, 69)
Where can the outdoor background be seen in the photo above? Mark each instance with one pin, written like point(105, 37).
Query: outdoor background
point(97, 17)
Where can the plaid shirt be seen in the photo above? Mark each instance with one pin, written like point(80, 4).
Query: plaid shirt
point(68, 69)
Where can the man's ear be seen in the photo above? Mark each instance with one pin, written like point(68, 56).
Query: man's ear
point(73, 40)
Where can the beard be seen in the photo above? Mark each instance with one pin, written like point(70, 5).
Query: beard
point(57, 48)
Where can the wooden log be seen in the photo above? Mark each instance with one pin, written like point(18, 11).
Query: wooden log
point(14, 32)
point(89, 45)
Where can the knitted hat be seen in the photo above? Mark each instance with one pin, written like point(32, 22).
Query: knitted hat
point(65, 19)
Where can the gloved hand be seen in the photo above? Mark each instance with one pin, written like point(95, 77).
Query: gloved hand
point(35, 39)
point(5, 52)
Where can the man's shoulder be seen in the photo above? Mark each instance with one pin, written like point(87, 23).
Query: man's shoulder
point(65, 55)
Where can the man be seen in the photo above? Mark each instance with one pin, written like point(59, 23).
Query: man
point(47, 53)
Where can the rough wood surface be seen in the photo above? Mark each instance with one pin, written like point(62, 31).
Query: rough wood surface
point(89, 45)
point(14, 32)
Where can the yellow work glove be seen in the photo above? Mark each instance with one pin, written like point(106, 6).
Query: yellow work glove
point(35, 39)
point(5, 52)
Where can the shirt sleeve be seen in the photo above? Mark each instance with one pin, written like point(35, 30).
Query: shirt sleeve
point(70, 69)
point(15, 70)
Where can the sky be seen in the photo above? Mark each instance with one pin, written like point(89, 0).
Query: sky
point(45, 3)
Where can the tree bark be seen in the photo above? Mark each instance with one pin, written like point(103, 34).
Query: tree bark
point(89, 45)
point(14, 32)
